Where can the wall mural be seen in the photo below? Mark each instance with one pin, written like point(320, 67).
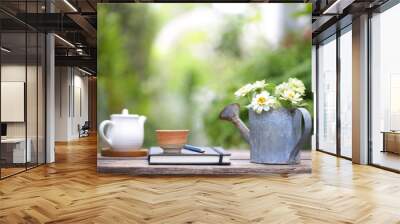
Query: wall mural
point(178, 65)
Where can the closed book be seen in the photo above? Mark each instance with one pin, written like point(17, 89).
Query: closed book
point(211, 156)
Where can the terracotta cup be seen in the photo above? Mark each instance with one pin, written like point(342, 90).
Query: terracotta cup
point(172, 141)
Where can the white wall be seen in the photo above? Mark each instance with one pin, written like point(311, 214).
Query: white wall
point(71, 102)
point(62, 82)
point(34, 125)
point(17, 73)
point(12, 73)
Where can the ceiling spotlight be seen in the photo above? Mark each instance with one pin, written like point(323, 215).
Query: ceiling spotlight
point(84, 71)
point(337, 7)
point(70, 5)
point(65, 41)
point(80, 51)
point(5, 50)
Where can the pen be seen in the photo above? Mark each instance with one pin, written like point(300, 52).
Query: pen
point(194, 148)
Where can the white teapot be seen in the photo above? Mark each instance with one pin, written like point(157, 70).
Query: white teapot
point(125, 131)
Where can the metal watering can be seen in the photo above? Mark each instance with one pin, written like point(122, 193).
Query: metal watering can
point(275, 136)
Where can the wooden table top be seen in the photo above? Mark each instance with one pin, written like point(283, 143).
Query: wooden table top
point(240, 165)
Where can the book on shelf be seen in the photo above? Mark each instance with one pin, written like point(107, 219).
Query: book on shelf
point(211, 156)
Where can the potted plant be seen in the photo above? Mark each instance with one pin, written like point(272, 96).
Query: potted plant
point(275, 119)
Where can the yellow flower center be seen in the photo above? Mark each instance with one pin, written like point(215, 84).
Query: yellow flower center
point(290, 94)
point(261, 100)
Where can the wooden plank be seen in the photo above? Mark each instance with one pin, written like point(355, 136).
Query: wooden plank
point(240, 165)
point(132, 153)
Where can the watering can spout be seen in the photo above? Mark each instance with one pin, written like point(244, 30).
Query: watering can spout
point(231, 113)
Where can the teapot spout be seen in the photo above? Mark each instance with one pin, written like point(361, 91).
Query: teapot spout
point(231, 113)
point(142, 119)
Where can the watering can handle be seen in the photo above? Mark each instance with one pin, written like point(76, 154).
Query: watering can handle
point(305, 132)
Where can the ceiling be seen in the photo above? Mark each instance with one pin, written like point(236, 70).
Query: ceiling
point(330, 15)
point(75, 22)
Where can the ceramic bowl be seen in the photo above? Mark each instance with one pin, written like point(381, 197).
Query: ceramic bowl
point(172, 141)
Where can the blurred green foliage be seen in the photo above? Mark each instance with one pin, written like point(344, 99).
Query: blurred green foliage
point(123, 64)
point(187, 85)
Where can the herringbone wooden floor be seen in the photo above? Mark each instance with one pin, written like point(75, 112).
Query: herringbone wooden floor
point(70, 191)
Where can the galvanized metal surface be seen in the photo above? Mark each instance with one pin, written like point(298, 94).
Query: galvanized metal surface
point(277, 136)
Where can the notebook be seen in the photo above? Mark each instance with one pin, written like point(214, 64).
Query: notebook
point(211, 156)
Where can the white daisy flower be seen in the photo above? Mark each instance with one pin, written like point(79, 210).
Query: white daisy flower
point(262, 102)
point(244, 90)
point(259, 85)
point(292, 96)
point(281, 88)
point(297, 85)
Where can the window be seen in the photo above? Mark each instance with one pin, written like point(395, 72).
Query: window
point(327, 95)
point(22, 77)
point(385, 89)
point(346, 93)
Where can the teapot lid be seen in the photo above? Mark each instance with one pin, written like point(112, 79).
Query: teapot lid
point(125, 113)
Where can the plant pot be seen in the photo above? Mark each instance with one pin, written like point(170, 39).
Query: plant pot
point(277, 136)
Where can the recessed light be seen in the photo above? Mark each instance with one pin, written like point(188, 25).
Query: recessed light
point(5, 50)
point(64, 40)
point(70, 5)
point(84, 71)
point(337, 7)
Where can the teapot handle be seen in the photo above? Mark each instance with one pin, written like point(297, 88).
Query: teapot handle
point(306, 131)
point(102, 133)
